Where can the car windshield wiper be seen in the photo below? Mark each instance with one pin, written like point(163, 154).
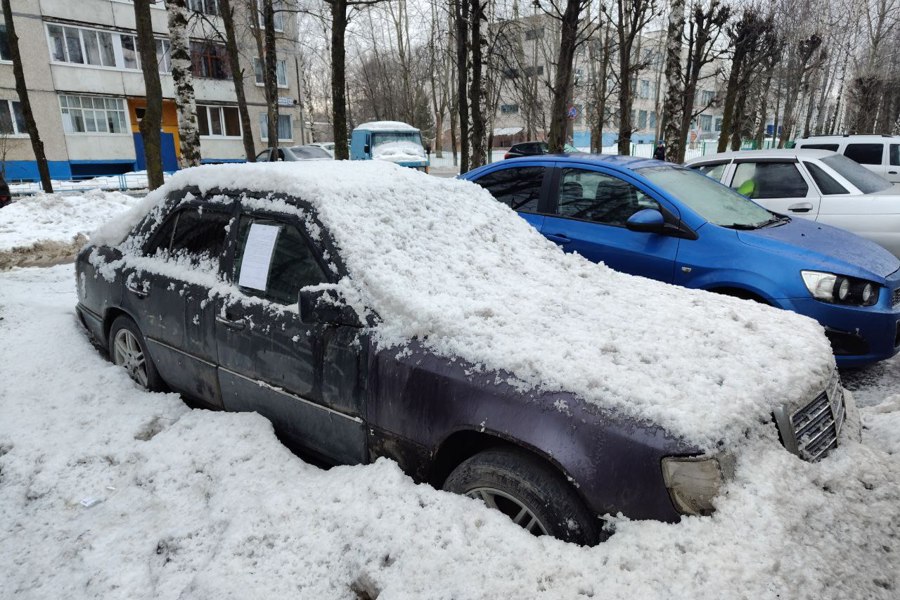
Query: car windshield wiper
point(775, 221)
point(742, 226)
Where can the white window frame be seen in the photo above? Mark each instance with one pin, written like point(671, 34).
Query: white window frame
point(5, 61)
point(165, 58)
point(119, 56)
point(221, 109)
point(12, 116)
point(264, 129)
point(260, 76)
point(279, 8)
point(191, 3)
point(123, 109)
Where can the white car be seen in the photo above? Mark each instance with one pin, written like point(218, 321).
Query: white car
point(878, 153)
point(819, 185)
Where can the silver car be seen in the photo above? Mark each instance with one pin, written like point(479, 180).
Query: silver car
point(819, 185)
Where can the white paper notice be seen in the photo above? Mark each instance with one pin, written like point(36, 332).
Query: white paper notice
point(258, 256)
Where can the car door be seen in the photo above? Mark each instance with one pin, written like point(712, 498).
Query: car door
point(893, 167)
point(520, 188)
point(777, 184)
point(590, 209)
point(304, 377)
point(168, 294)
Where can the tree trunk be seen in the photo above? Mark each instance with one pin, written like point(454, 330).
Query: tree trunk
point(270, 79)
point(674, 103)
point(152, 119)
point(37, 146)
point(183, 78)
point(476, 88)
point(461, 8)
point(562, 81)
point(625, 100)
point(339, 78)
point(731, 92)
point(237, 76)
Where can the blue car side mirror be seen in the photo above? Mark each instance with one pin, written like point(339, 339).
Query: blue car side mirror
point(648, 220)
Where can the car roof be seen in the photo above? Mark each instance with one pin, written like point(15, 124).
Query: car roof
point(609, 160)
point(867, 137)
point(771, 153)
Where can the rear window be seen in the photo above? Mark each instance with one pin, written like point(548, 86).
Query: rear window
point(865, 180)
point(865, 154)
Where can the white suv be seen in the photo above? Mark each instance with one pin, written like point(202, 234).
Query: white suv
point(878, 153)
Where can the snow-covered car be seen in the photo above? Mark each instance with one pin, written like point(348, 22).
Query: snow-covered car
point(326, 146)
point(370, 311)
point(819, 185)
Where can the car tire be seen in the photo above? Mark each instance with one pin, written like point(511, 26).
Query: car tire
point(128, 349)
point(527, 490)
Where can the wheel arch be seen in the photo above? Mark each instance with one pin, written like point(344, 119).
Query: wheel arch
point(740, 292)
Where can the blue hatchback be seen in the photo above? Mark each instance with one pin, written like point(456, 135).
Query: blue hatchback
point(665, 222)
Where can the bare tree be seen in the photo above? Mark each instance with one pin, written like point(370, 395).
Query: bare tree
point(152, 119)
point(674, 103)
point(37, 145)
point(183, 78)
point(569, 20)
point(226, 11)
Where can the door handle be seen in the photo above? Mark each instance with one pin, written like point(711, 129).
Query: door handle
point(140, 291)
point(892, 172)
point(236, 324)
point(560, 238)
point(801, 207)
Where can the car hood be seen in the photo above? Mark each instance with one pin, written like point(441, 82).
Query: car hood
point(825, 247)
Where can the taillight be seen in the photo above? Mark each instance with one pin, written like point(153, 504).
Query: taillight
point(505, 156)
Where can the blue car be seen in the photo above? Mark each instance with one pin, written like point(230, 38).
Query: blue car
point(658, 220)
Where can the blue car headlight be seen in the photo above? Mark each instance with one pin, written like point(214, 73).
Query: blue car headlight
point(840, 289)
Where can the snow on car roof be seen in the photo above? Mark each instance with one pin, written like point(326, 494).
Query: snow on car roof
point(386, 126)
point(440, 260)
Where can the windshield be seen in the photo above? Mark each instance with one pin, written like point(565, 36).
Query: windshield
point(384, 137)
point(709, 199)
point(861, 177)
point(302, 152)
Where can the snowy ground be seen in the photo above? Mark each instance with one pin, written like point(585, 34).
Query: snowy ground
point(186, 503)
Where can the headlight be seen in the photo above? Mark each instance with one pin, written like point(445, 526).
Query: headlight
point(839, 289)
point(693, 481)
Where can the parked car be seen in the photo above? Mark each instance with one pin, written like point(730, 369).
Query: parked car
point(878, 153)
point(292, 153)
point(391, 141)
point(5, 196)
point(533, 148)
point(326, 146)
point(371, 311)
point(814, 184)
point(672, 224)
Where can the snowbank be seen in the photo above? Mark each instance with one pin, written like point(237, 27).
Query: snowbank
point(55, 219)
point(197, 504)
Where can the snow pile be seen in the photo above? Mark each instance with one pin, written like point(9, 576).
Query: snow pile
point(54, 226)
point(440, 260)
point(398, 151)
point(132, 180)
point(198, 504)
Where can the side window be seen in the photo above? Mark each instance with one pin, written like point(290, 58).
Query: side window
point(712, 170)
point(865, 154)
point(274, 260)
point(827, 185)
point(599, 197)
point(895, 155)
point(519, 188)
point(769, 180)
point(263, 156)
point(832, 147)
point(192, 233)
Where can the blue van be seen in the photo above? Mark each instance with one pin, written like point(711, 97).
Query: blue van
point(391, 141)
point(658, 220)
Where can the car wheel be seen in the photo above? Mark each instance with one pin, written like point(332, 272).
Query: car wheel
point(528, 491)
point(127, 349)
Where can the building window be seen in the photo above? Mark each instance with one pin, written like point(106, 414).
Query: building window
point(531, 71)
point(642, 119)
point(278, 8)
point(280, 72)
point(219, 121)
point(509, 109)
point(209, 60)
point(76, 45)
point(705, 122)
point(4, 43)
point(93, 114)
point(285, 131)
point(707, 97)
point(12, 121)
point(644, 89)
point(164, 55)
point(534, 34)
point(718, 124)
point(653, 119)
point(207, 7)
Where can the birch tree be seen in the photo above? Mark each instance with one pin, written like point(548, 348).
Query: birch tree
point(183, 78)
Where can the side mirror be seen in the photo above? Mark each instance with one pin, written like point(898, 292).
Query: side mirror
point(648, 220)
point(328, 307)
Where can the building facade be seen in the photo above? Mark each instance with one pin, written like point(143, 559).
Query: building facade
point(86, 87)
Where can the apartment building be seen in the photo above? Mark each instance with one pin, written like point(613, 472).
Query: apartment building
point(529, 49)
point(87, 90)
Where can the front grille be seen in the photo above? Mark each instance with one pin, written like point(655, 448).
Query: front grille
point(812, 430)
point(895, 297)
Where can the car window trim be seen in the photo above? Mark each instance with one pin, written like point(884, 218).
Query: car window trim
point(767, 159)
